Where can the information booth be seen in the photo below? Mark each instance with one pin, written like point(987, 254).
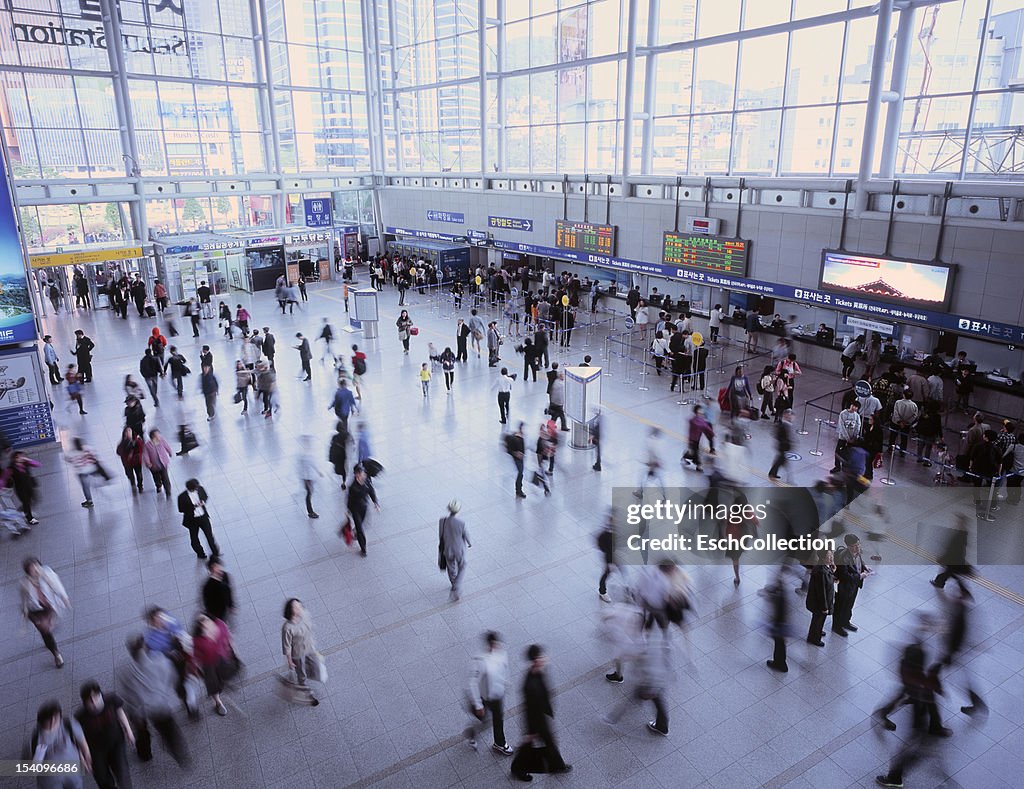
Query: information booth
point(186, 260)
point(440, 254)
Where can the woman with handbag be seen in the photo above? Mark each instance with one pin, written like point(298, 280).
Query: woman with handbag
point(297, 642)
point(215, 657)
point(404, 325)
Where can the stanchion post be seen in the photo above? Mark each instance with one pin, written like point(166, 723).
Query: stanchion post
point(817, 452)
point(643, 374)
point(803, 424)
point(628, 361)
point(892, 459)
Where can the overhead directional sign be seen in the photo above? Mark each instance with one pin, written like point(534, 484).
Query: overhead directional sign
point(476, 235)
point(510, 223)
point(317, 211)
point(446, 216)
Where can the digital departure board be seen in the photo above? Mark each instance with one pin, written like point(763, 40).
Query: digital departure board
point(708, 253)
point(584, 237)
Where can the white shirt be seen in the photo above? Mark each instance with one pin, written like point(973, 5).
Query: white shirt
point(197, 503)
point(489, 678)
point(504, 383)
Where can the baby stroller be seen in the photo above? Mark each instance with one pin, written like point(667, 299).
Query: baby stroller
point(10, 515)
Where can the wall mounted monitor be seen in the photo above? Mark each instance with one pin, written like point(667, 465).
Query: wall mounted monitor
point(910, 282)
point(717, 254)
point(585, 237)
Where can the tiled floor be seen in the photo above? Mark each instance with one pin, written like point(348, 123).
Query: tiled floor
point(398, 653)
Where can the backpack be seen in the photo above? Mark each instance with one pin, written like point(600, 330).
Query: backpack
point(358, 365)
point(34, 742)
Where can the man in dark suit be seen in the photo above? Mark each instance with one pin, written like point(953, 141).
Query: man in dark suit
point(305, 354)
point(269, 346)
point(538, 710)
point(195, 517)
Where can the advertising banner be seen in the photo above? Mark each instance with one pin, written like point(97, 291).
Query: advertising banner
point(16, 321)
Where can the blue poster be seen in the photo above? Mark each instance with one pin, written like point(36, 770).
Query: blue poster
point(318, 211)
point(510, 223)
point(16, 320)
point(25, 416)
point(446, 216)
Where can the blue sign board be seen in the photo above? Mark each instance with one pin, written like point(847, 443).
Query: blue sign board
point(476, 235)
point(25, 416)
point(428, 234)
point(318, 211)
point(510, 223)
point(446, 216)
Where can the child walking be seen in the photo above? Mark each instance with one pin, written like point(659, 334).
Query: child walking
point(425, 378)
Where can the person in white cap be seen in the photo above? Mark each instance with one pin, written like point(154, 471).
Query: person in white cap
point(453, 539)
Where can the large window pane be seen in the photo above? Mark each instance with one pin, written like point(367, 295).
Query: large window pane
point(814, 65)
point(544, 41)
point(517, 149)
point(756, 142)
point(571, 148)
point(710, 136)
point(718, 17)
point(760, 13)
point(860, 46)
point(673, 83)
point(944, 55)
point(543, 143)
point(762, 72)
point(606, 28)
point(543, 89)
point(715, 78)
point(603, 147)
point(671, 145)
point(932, 136)
point(602, 85)
point(676, 22)
point(806, 141)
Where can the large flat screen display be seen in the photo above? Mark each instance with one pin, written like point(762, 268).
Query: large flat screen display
point(893, 280)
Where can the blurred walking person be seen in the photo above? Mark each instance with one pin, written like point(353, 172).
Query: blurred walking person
point(107, 733)
point(308, 473)
point(59, 742)
point(130, 451)
point(43, 600)
point(539, 711)
point(360, 494)
point(297, 641)
point(195, 517)
point(487, 685)
point(147, 684)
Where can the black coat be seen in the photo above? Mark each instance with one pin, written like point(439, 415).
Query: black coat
point(538, 702)
point(821, 590)
point(217, 596)
point(186, 508)
point(338, 453)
